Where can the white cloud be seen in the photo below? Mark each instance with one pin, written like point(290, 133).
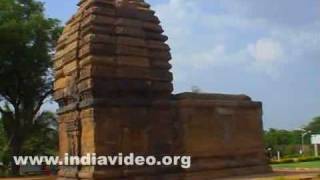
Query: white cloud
point(266, 51)
point(203, 59)
point(215, 57)
point(204, 34)
point(267, 55)
point(184, 21)
point(278, 13)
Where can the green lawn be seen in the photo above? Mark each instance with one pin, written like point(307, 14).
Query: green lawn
point(313, 164)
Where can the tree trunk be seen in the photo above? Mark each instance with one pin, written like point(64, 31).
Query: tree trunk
point(16, 146)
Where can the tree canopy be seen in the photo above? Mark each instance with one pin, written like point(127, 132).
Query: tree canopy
point(289, 142)
point(314, 125)
point(27, 40)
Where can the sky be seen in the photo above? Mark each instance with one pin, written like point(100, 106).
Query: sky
point(267, 49)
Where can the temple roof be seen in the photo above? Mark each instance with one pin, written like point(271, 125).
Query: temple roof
point(113, 49)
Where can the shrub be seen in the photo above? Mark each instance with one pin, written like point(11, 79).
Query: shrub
point(283, 161)
point(307, 159)
point(294, 160)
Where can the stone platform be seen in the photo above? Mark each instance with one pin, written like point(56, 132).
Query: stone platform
point(222, 133)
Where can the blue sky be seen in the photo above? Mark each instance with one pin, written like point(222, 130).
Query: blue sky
point(267, 49)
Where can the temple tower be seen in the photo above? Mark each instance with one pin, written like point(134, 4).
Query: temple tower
point(111, 65)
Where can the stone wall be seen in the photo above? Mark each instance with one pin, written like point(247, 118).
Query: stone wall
point(222, 133)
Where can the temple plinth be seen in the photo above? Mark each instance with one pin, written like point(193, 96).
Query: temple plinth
point(114, 88)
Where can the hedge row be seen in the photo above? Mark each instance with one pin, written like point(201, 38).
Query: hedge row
point(295, 160)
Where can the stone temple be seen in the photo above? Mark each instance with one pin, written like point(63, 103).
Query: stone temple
point(114, 88)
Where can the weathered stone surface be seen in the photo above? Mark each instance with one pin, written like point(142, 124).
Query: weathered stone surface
point(114, 87)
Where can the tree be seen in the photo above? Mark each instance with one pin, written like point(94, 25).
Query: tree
point(3, 142)
point(27, 39)
point(2, 136)
point(285, 141)
point(314, 126)
point(43, 140)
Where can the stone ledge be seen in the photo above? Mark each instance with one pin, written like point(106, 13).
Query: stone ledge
point(211, 96)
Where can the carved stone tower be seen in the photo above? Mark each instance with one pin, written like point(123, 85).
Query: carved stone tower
point(114, 88)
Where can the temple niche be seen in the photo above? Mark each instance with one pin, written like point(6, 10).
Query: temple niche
point(114, 88)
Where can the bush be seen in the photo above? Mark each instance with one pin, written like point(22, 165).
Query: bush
point(283, 161)
point(307, 159)
point(294, 160)
point(3, 172)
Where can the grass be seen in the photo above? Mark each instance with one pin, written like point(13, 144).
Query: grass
point(312, 164)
